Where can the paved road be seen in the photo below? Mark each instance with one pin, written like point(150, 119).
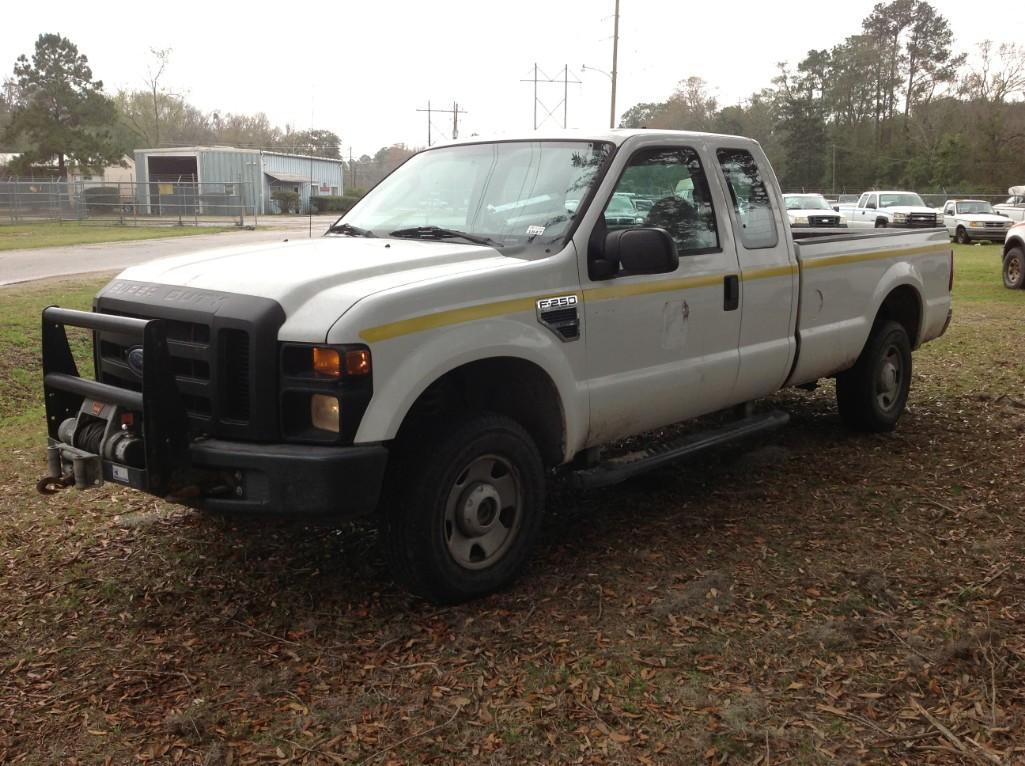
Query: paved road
point(42, 263)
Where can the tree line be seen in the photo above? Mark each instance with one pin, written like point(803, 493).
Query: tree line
point(892, 105)
point(57, 116)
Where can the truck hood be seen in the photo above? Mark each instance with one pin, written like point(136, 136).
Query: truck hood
point(817, 211)
point(909, 209)
point(317, 280)
point(982, 218)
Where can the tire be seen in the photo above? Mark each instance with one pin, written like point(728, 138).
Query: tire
point(466, 508)
point(872, 395)
point(880, 223)
point(1014, 268)
point(961, 236)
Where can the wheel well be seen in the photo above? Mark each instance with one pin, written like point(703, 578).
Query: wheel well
point(903, 306)
point(508, 386)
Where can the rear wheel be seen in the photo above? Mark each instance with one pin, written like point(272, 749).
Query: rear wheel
point(871, 396)
point(961, 236)
point(1014, 268)
point(468, 508)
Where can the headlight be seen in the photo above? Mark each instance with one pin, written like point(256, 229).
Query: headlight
point(900, 217)
point(325, 413)
point(975, 224)
point(324, 390)
point(800, 219)
point(843, 220)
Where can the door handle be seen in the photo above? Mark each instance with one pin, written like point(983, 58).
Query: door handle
point(731, 292)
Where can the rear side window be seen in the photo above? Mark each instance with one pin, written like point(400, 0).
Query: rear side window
point(750, 198)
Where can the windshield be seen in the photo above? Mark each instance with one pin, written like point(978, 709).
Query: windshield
point(806, 202)
point(906, 199)
point(521, 195)
point(974, 206)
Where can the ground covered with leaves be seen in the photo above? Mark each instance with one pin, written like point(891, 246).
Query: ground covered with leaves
point(815, 597)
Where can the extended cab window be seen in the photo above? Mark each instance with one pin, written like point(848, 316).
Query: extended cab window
point(750, 198)
point(667, 189)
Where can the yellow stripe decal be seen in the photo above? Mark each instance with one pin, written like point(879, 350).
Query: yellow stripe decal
point(840, 260)
point(445, 318)
point(517, 305)
point(647, 288)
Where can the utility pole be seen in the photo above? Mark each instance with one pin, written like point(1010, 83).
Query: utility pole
point(455, 111)
point(544, 78)
point(834, 170)
point(615, 64)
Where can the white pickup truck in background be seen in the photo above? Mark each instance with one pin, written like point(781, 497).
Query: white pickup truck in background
point(1014, 207)
point(889, 209)
point(477, 322)
point(811, 211)
point(971, 220)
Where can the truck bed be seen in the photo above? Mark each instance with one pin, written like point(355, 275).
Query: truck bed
point(841, 274)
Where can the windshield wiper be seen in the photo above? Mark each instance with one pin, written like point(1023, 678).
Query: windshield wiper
point(436, 232)
point(348, 228)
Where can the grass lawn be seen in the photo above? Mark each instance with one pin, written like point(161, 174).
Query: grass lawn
point(21, 236)
point(825, 598)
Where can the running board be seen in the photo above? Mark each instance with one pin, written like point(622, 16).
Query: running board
point(624, 467)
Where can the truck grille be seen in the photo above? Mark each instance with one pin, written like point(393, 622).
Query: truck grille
point(224, 361)
point(824, 220)
point(925, 220)
point(996, 225)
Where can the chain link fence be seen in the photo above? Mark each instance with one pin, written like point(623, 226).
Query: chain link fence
point(128, 203)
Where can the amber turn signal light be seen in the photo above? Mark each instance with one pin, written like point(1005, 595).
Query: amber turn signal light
point(357, 362)
point(326, 361)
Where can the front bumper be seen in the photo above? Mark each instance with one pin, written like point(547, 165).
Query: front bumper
point(139, 438)
point(291, 478)
point(992, 235)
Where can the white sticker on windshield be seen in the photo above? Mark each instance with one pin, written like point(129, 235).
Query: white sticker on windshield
point(535, 231)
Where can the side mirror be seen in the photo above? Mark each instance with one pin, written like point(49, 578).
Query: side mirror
point(641, 251)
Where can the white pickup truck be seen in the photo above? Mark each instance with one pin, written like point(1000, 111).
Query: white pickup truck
point(477, 323)
point(972, 220)
point(889, 209)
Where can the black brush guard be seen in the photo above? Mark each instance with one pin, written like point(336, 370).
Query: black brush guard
point(164, 421)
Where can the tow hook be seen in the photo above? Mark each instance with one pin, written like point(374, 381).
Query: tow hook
point(51, 485)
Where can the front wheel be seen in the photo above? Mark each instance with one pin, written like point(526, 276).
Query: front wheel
point(871, 396)
point(880, 223)
point(1014, 268)
point(465, 518)
point(961, 237)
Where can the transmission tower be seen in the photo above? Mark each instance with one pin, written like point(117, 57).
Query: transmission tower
point(540, 77)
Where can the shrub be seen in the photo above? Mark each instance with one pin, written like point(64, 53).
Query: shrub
point(333, 204)
point(287, 200)
point(102, 199)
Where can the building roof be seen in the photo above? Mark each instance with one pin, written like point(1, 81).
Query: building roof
point(177, 150)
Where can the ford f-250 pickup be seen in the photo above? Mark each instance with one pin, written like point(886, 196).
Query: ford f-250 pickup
point(889, 209)
point(477, 322)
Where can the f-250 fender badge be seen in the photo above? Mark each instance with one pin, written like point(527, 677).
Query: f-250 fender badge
point(559, 314)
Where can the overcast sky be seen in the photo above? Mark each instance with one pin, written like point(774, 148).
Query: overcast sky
point(362, 68)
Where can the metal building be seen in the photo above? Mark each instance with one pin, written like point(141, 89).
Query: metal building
point(211, 178)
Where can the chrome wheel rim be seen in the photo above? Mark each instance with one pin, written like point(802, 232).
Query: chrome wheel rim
point(890, 379)
point(483, 512)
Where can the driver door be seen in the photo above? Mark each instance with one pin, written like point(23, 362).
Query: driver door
point(661, 347)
